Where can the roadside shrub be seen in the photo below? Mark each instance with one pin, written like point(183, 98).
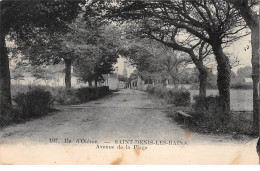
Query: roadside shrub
point(37, 100)
point(16, 89)
point(209, 114)
point(65, 96)
point(161, 92)
point(86, 94)
point(34, 103)
point(62, 95)
point(102, 91)
point(241, 122)
point(91, 93)
point(178, 97)
point(151, 89)
point(209, 117)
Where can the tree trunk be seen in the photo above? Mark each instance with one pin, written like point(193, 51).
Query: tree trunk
point(5, 87)
point(255, 76)
point(223, 80)
point(203, 73)
point(175, 81)
point(67, 73)
point(90, 83)
point(252, 20)
point(203, 76)
point(96, 82)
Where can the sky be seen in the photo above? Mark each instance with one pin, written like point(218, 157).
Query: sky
point(120, 66)
point(238, 49)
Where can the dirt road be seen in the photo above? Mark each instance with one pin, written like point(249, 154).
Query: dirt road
point(127, 114)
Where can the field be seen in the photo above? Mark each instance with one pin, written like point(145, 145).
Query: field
point(241, 100)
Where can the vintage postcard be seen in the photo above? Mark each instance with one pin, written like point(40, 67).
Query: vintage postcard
point(129, 82)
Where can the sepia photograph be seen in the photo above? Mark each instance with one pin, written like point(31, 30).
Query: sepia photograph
point(129, 82)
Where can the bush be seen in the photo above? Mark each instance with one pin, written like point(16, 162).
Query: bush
point(76, 96)
point(91, 93)
point(151, 89)
point(179, 97)
point(62, 95)
point(161, 92)
point(209, 114)
point(65, 96)
point(34, 103)
point(16, 89)
point(35, 100)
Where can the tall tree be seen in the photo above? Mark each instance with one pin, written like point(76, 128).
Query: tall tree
point(153, 59)
point(197, 51)
point(252, 20)
point(250, 16)
point(168, 36)
point(92, 67)
point(213, 22)
point(57, 47)
point(19, 18)
point(98, 56)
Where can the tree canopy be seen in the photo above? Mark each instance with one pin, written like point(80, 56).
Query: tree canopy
point(19, 19)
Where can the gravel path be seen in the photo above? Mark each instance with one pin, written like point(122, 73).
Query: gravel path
point(128, 114)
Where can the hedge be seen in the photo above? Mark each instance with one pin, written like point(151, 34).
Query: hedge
point(36, 101)
point(178, 97)
point(91, 93)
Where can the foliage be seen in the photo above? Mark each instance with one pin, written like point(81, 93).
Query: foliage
point(154, 60)
point(42, 73)
point(89, 69)
point(186, 26)
point(178, 97)
point(245, 72)
point(134, 75)
point(248, 10)
point(207, 112)
point(34, 103)
point(19, 21)
point(89, 45)
point(70, 96)
point(17, 74)
point(65, 96)
point(208, 117)
point(122, 78)
point(190, 76)
point(91, 93)
point(75, 96)
point(16, 89)
point(98, 58)
point(22, 17)
point(62, 95)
